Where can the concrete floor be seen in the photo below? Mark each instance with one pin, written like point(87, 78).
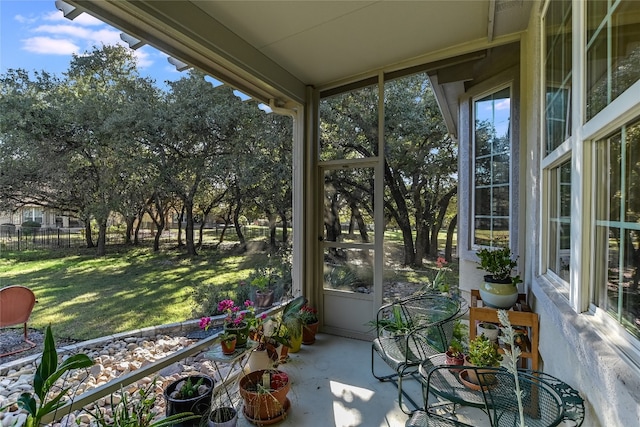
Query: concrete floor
point(332, 385)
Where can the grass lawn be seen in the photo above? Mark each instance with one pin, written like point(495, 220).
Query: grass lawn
point(83, 296)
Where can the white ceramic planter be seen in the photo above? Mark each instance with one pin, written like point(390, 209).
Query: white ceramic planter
point(489, 330)
point(498, 295)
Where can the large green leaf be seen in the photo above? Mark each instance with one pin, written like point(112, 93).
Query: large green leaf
point(77, 361)
point(28, 403)
point(48, 365)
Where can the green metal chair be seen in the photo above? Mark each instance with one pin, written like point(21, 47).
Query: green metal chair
point(409, 331)
point(546, 401)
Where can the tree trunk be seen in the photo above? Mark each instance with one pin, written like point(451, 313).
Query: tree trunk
point(285, 227)
point(129, 221)
point(401, 215)
point(87, 233)
point(356, 216)
point(448, 248)
point(236, 221)
point(136, 232)
point(437, 222)
point(158, 216)
point(189, 229)
point(180, 220)
point(332, 221)
point(102, 238)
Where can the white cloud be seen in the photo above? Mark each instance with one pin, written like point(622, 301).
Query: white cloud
point(143, 59)
point(505, 104)
point(106, 36)
point(56, 35)
point(48, 45)
point(25, 20)
point(68, 30)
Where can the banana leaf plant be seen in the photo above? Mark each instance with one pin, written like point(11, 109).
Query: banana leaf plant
point(47, 373)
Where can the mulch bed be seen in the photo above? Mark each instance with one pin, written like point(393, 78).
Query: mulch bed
point(12, 339)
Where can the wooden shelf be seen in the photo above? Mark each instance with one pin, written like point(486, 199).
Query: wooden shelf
point(519, 316)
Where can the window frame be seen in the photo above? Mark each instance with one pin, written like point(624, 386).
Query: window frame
point(507, 77)
point(512, 173)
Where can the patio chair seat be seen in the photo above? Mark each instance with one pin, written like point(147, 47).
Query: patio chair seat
point(16, 304)
point(423, 327)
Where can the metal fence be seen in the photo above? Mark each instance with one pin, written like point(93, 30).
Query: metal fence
point(22, 239)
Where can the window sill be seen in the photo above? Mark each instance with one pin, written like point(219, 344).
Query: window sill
point(603, 362)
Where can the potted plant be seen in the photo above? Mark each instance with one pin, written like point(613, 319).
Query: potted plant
point(392, 324)
point(264, 395)
point(500, 286)
point(309, 318)
point(190, 394)
point(482, 353)
point(137, 411)
point(224, 416)
point(236, 321)
point(291, 323)
point(263, 280)
point(228, 343)
point(489, 330)
point(454, 355)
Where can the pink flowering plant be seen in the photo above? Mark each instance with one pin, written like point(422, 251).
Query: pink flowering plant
point(205, 323)
point(234, 316)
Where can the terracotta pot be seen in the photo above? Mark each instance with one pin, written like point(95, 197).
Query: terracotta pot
point(454, 361)
point(309, 332)
point(264, 299)
point(484, 377)
point(263, 403)
point(284, 354)
point(229, 346)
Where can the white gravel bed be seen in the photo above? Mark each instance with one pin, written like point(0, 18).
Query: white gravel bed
point(113, 359)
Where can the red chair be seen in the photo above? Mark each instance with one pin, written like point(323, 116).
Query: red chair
point(16, 304)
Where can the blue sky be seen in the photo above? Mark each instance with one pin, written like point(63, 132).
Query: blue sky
point(34, 35)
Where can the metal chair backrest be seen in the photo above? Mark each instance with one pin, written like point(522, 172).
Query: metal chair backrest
point(16, 304)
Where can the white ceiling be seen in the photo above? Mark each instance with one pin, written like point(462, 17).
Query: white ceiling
point(324, 41)
point(312, 43)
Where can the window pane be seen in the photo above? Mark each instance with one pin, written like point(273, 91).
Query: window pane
point(348, 269)
point(348, 205)
point(613, 52)
point(617, 251)
point(625, 56)
point(342, 137)
point(492, 165)
point(558, 73)
point(560, 220)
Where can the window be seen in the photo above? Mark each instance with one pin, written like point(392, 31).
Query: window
point(492, 165)
point(613, 51)
point(32, 214)
point(616, 256)
point(559, 226)
point(557, 23)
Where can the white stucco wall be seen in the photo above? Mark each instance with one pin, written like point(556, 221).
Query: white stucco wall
point(571, 347)
point(575, 347)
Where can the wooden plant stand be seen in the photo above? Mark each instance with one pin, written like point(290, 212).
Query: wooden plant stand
point(520, 316)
